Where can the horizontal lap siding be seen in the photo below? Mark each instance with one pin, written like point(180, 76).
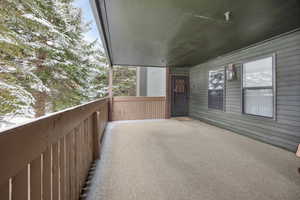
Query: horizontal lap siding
point(285, 130)
point(181, 71)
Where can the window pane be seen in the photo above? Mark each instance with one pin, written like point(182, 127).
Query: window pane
point(215, 99)
point(258, 73)
point(215, 89)
point(216, 80)
point(258, 102)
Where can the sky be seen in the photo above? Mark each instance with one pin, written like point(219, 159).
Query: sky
point(88, 16)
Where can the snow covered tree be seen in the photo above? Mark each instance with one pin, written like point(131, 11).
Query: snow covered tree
point(45, 61)
point(124, 81)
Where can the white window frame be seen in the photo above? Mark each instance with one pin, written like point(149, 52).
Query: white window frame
point(273, 87)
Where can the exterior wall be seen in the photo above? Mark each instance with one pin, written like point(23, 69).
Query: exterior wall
point(156, 81)
point(183, 71)
point(151, 81)
point(285, 130)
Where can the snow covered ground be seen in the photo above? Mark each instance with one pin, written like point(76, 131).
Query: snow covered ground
point(12, 121)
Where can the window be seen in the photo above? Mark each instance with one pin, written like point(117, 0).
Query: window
point(216, 89)
point(258, 93)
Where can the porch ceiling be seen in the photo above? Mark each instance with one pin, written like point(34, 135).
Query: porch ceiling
point(185, 33)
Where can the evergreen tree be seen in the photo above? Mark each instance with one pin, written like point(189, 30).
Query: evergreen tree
point(44, 57)
point(124, 81)
point(45, 63)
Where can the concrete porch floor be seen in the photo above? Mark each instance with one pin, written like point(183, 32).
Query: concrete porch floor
point(190, 160)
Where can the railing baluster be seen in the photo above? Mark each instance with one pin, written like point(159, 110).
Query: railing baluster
point(55, 178)
point(72, 167)
point(76, 167)
point(79, 161)
point(96, 136)
point(20, 185)
point(36, 179)
point(86, 160)
point(62, 169)
point(4, 191)
point(68, 171)
point(46, 171)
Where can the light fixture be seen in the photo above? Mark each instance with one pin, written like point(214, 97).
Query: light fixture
point(227, 15)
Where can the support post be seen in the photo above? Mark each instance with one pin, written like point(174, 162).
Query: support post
point(138, 82)
point(96, 136)
point(168, 94)
point(110, 92)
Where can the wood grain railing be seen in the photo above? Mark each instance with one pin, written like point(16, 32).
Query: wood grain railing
point(138, 108)
point(48, 159)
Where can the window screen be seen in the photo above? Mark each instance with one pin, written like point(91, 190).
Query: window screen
point(216, 89)
point(258, 87)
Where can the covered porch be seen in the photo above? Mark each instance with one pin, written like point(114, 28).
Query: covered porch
point(78, 154)
point(211, 51)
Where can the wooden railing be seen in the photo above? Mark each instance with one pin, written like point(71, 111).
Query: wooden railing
point(137, 108)
point(48, 159)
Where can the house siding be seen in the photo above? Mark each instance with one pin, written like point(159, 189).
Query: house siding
point(284, 131)
point(156, 81)
point(179, 71)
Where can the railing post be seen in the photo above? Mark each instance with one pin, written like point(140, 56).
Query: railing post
point(96, 135)
point(168, 94)
point(110, 93)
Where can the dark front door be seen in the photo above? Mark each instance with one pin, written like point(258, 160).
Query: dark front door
point(179, 96)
